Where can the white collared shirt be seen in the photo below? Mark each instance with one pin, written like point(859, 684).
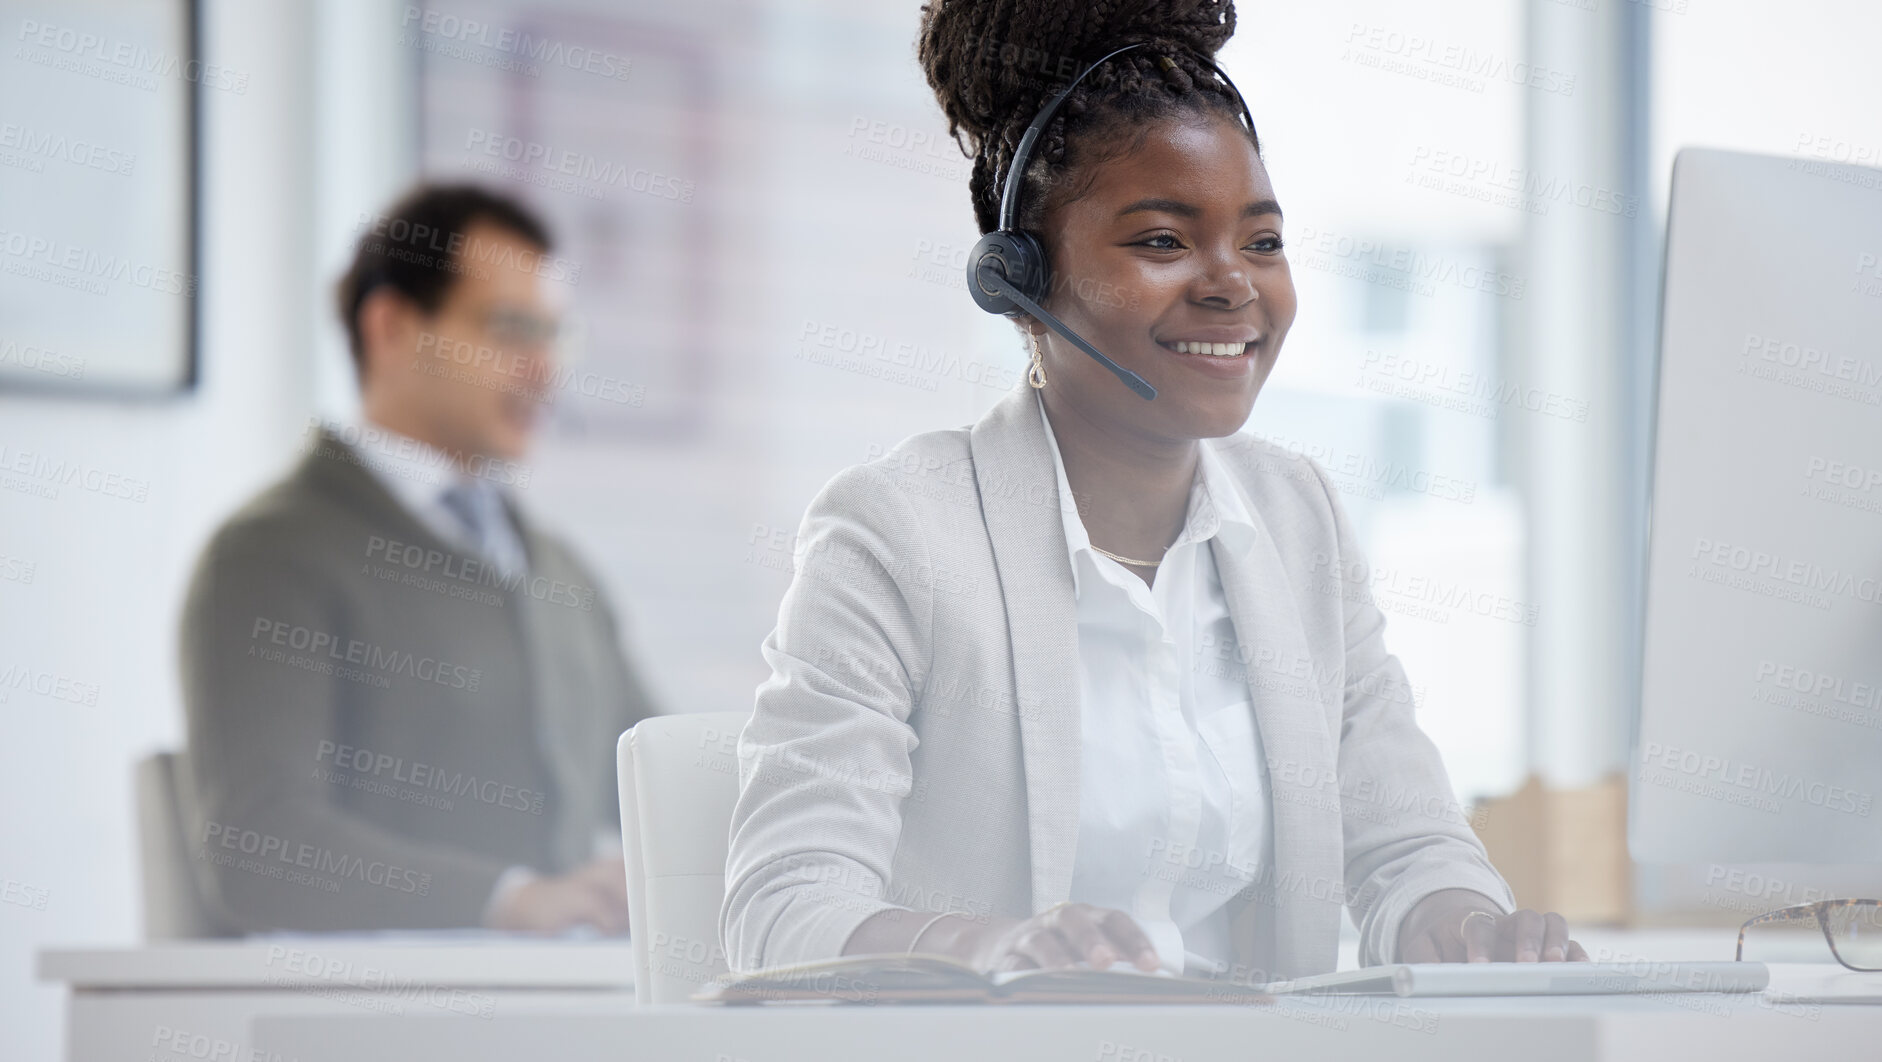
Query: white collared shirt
point(1173, 808)
point(417, 475)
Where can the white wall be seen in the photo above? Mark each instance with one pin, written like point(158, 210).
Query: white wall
point(109, 573)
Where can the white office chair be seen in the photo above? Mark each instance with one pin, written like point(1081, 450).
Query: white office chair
point(173, 900)
point(679, 780)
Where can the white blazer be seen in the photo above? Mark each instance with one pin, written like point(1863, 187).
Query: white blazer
point(917, 744)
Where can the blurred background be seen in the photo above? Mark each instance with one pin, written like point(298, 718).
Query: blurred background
point(765, 227)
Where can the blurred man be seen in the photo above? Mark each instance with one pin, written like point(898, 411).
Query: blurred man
point(403, 696)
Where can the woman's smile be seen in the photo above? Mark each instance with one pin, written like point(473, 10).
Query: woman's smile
point(1218, 351)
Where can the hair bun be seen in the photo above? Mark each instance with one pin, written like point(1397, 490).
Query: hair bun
point(991, 60)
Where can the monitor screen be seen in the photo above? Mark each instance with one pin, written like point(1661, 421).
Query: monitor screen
point(1760, 734)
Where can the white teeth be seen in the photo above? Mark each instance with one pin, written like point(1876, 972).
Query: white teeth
point(1220, 350)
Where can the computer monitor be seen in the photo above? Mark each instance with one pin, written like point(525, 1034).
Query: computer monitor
point(1760, 716)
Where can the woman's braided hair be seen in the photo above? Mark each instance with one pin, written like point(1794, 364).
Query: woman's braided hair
point(994, 63)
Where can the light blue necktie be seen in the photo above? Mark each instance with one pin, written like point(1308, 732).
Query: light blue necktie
point(479, 508)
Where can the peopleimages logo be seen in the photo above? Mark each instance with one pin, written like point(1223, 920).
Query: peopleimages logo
point(267, 847)
point(579, 165)
point(459, 252)
point(465, 31)
point(369, 764)
point(1531, 190)
point(468, 570)
point(46, 684)
point(134, 64)
point(361, 654)
point(89, 269)
point(395, 455)
point(40, 359)
point(1751, 778)
point(75, 150)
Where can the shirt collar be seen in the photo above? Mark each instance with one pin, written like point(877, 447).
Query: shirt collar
point(412, 471)
point(1237, 521)
point(1215, 505)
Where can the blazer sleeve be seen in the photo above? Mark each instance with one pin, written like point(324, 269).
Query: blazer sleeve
point(1405, 834)
point(253, 726)
point(824, 761)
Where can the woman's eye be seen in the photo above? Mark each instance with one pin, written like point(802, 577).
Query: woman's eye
point(1268, 245)
point(1172, 244)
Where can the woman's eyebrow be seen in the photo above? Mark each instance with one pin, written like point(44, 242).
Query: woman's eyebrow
point(1189, 210)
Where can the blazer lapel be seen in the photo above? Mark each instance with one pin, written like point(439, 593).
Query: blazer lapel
point(1303, 794)
point(1020, 500)
point(336, 466)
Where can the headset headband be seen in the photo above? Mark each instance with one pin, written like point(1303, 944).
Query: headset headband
point(1009, 197)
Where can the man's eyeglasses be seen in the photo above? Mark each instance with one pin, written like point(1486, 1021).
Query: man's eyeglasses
point(509, 326)
point(1853, 929)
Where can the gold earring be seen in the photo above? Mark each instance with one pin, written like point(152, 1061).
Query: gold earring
point(1037, 374)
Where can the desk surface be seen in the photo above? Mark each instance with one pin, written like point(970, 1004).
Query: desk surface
point(316, 961)
point(488, 960)
point(329, 997)
point(1579, 1029)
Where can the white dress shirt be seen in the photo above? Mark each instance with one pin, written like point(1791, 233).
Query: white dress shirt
point(424, 480)
point(1173, 807)
point(419, 477)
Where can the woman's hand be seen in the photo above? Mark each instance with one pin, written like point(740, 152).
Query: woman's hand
point(1064, 935)
point(1447, 927)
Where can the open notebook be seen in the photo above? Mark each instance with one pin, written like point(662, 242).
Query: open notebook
point(936, 979)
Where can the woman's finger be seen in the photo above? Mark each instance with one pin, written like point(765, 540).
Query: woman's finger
point(1454, 947)
point(1085, 939)
point(1526, 939)
point(1043, 945)
point(1478, 937)
point(1554, 938)
point(1129, 938)
point(1422, 949)
point(1576, 952)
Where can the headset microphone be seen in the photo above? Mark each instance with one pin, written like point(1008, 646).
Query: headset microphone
point(1008, 272)
point(989, 278)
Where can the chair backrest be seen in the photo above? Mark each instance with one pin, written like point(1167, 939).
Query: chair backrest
point(173, 903)
point(679, 780)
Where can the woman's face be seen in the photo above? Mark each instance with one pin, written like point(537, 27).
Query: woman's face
point(1174, 244)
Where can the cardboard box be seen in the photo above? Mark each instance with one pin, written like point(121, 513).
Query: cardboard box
point(1563, 850)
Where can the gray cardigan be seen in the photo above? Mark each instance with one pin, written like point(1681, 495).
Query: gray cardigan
point(917, 744)
point(379, 725)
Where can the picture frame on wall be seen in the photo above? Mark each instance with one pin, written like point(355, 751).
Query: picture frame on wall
point(99, 195)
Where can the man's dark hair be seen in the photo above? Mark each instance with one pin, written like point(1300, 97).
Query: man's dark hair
point(420, 244)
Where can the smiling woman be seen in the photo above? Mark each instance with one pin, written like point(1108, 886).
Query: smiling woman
point(1151, 784)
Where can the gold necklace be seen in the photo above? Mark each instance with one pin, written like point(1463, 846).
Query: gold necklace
point(1126, 560)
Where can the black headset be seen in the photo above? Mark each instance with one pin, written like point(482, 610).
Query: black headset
point(1009, 272)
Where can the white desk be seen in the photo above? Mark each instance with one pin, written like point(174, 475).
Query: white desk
point(198, 1002)
point(353, 1001)
point(1558, 1030)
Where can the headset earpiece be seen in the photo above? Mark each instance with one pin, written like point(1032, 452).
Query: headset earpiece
point(1017, 256)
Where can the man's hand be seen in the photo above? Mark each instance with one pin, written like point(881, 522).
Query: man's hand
point(1442, 929)
point(593, 894)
